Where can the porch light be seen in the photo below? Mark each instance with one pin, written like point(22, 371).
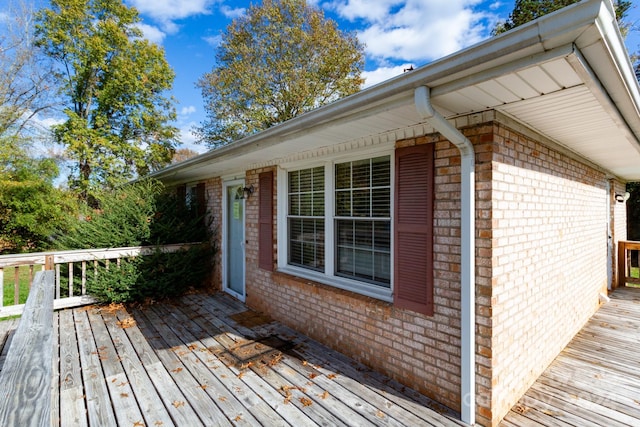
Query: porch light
point(245, 192)
point(621, 198)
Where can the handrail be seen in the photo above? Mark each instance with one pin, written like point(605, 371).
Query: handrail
point(26, 376)
point(55, 259)
point(624, 262)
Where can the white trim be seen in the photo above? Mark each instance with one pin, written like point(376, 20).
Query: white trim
point(329, 277)
point(223, 246)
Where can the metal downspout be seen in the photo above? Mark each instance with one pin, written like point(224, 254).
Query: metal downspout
point(467, 231)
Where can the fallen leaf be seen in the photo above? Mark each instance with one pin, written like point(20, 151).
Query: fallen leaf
point(324, 395)
point(237, 418)
point(306, 401)
point(124, 394)
point(380, 414)
point(203, 386)
point(158, 423)
point(313, 375)
point(331, 376)
point(177, 404)
point(178, 369)
point(138, 424)
point(222, 399)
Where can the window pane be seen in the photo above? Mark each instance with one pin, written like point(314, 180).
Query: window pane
point(305, 180)
point(361, 174)
point(294, 182)
point(305, 204)
point(318, 179)
point(363, 235)
point(361, 203)
point(343, 175)
point(382, 236)
point(363, 264)
point(306, 243)
point(318, 204)
point(344, 232)
point(381, 202)
point(294, 204)
point(382, 267)
point(343, 203)
point(381, 171)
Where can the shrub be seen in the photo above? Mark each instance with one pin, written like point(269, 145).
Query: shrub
point(142, 214)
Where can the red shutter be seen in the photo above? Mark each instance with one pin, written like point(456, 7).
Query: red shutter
point(413, 228)
point(265, 221)
point(201, 202)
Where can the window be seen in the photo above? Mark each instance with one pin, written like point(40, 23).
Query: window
point(306, 199)
point(363, 220)
point(354, 214)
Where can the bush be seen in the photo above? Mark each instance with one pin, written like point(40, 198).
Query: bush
point(142, 214)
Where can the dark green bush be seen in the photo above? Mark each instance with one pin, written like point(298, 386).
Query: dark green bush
point(143, 214)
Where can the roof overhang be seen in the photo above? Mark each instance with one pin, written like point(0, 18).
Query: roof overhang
point(566, 76)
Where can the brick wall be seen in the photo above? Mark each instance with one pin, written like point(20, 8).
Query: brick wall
point(548, 259)
point(540, 264)
point(419, 351)
point(213, 194)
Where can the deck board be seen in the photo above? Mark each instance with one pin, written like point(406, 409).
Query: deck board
point(595, 380)
point(191, 364)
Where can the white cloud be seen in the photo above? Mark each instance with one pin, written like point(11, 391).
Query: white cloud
point(166, 11)
point(151, 33)
point(232, 12)
point(185, 111)
point(383, 73)
point(188, 138)
point(213, 41)
point(414, 30)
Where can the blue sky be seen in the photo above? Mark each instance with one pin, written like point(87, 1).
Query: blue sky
point(396, 34)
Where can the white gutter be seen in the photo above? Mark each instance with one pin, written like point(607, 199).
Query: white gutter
point(467, 235)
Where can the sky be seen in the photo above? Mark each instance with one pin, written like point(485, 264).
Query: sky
point(396, 34)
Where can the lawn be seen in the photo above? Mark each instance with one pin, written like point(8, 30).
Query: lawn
point(23, 278)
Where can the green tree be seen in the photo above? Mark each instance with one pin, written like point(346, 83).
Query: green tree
point(528, 10)
point(32, 209)
point(114, 84)
point(281, 59)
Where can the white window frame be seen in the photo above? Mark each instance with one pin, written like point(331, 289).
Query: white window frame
point(329, 277)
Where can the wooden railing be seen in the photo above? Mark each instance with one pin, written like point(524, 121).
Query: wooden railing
point(627, 257)
point(26, 376)
point(71, 272)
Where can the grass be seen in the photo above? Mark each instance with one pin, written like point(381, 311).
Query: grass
point(23, 281)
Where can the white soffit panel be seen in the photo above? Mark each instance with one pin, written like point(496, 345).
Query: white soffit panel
point(575, 119)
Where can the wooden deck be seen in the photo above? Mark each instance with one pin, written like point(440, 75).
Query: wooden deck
point(206, 360)
point(595, 381)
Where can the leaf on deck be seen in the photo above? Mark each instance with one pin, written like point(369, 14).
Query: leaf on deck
point(177, 403)
point(306, 401)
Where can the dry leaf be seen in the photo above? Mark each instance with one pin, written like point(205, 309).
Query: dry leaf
point(177, 404)
point(124, 394)
point(240, 375)
point(178, 369)
point(331, 376)
point(380, 414)
point(126, 323)
point(222, 399)
point(324, 395)
point(304, 363)
point(203, 386)
point(237, 418)
point(158, 423)
point(313, 375)
point(138, 424)
point(306, 401)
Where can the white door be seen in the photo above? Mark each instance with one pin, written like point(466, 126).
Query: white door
point(233, 247)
